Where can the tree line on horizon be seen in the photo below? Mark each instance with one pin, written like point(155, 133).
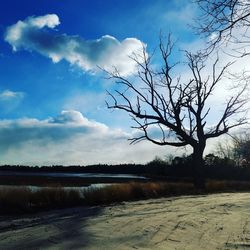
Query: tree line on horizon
point(228, 162)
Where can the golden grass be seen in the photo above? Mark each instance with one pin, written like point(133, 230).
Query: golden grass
point(136, 191)
point(23, 200)
point(222, 186)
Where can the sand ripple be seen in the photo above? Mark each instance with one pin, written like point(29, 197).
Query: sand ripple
point(220, 221)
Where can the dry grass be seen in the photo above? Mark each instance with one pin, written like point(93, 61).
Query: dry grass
point(222, 186)
point(136, 191)
point(20, 200)
point(23, 200)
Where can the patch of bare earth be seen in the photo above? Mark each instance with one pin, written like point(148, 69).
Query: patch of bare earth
point(219, 221)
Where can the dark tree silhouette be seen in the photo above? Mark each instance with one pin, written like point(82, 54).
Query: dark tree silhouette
point(225, 21)
point(156, 100)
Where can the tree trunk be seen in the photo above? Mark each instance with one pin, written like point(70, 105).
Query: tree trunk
point(198, 167)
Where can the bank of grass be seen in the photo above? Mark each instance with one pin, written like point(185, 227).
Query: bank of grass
point(25, 200)
point(136, 191)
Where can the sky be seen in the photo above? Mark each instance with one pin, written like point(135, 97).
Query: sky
point(52, 91)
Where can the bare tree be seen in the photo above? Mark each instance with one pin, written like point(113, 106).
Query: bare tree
point(156, 99)
point(241, 149)
point(225, 21)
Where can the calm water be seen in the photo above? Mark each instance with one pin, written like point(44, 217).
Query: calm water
point(83, 175)
point(35, 188)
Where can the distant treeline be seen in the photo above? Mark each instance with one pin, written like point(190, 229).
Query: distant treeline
point(98, 168)
point(178, 168)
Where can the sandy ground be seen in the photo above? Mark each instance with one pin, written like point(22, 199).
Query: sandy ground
point(220, 221)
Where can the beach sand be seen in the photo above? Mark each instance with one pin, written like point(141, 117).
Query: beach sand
point(218, 221)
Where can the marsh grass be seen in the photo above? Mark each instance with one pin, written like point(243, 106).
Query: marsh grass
point(25, 200)
point(135, 191)
point(230, 186)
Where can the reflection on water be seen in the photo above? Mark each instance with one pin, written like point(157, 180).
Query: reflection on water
point(83, 175)
point(36, 188)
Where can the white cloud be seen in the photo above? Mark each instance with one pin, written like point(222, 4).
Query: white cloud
point(70, 138)
point(7, 95)
point(50, 20)
point(16, 32)
point(34, 34)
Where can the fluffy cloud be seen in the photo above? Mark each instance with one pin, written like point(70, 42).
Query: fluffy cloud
point(69, 138)
point(64, 126)
point(38, 34)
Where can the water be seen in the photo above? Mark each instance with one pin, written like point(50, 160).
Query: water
point(81, 175)
point(36, 188)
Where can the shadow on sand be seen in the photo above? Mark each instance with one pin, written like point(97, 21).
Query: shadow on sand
point(59, 229)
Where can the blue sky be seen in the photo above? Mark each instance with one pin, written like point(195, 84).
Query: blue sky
point(52, 95)
point(45, 82)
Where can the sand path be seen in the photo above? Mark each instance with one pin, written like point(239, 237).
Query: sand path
point(220, 221)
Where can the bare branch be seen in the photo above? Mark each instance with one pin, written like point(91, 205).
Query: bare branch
point(160, 100)
point(225, 21)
